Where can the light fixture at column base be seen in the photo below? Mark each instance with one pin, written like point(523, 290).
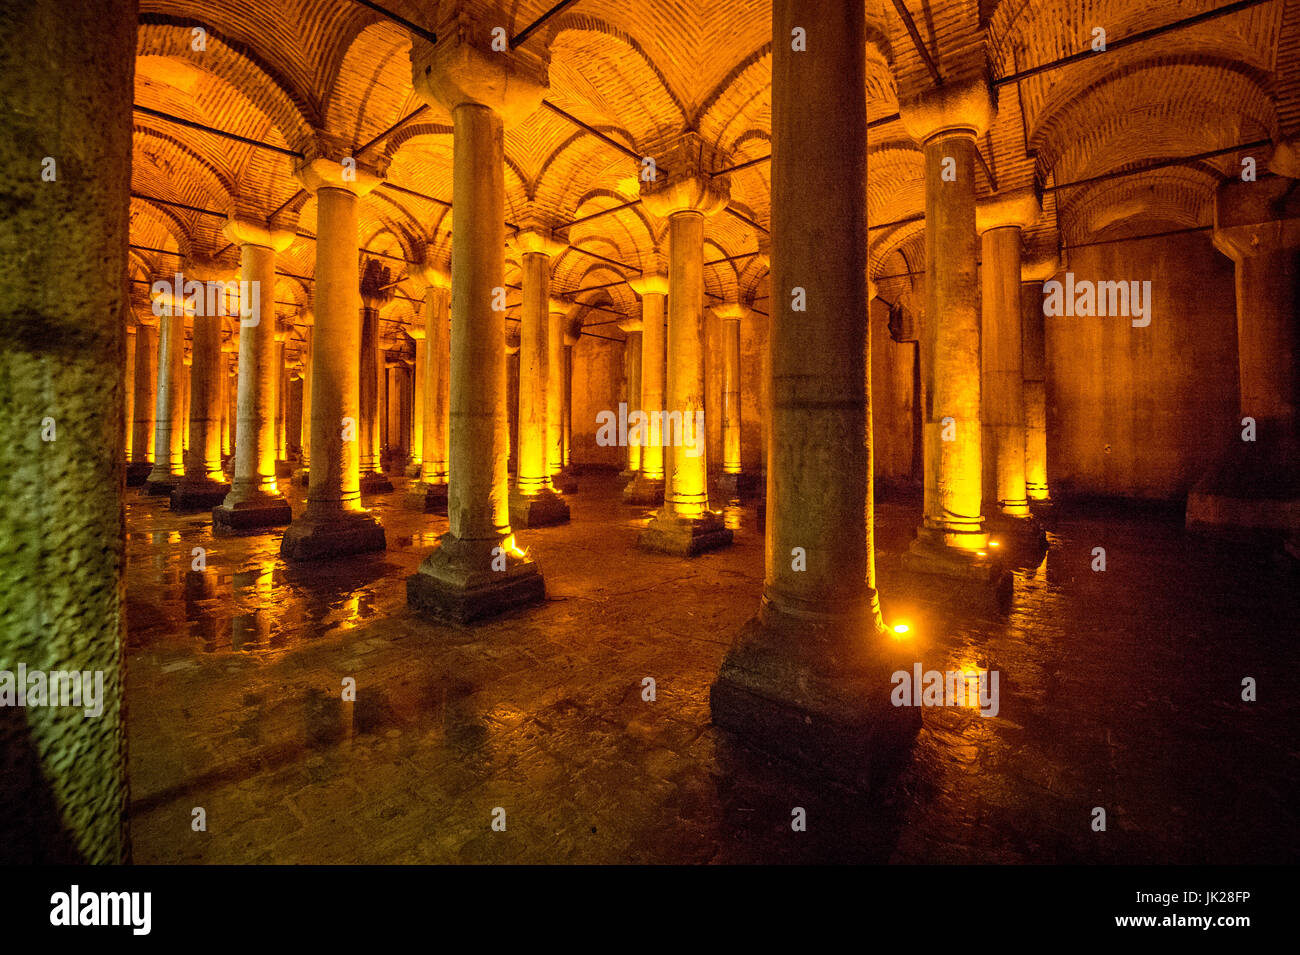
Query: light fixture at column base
point(338, 535)
point(430, 498)
point(984, 570)
point(644, 492)
point(264, 511)
point(460, 581)
point(683, 536)
point(375, 483)
point(1020, 537)
point(818, 698)
point(198, 495)
point(544, 509)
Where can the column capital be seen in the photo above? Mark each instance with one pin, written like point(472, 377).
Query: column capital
point(684, 184)
point(464, 69)
point(1019, 209)
point(731, 311)
point(572, 331)
point(631, 324)
point(949, 110)
point(650, 283)
point(376, 284)
point(341, 173)
point(243, 231)
point(1285, 160)
point(434, 276)
point(1040, 268)
point(1247, 220)
point(536, 239)
point(416, 332)
point(205, 269)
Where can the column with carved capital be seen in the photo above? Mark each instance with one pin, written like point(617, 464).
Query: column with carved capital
point(559, 352)
point(334, 523)
point(1034, 358)
point(478, 569)
point(685, 194)
point(429, 493)
point(631, 327)
point(647, 487)
point(416, 455)
point(169, 429)
point(144, 402)
point(375, 294)
point(255, 500)
point(730, 314)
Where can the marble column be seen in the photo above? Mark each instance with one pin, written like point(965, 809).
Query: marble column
point(169, 431)
point(1000, 222)
point(372, 373)
point(632, 375)
point(283, 466)
point(204, 484)
point(416, 455)
point(730, 315)
point(1254, 491)
point(647, 487)
point(562, 477)
point(306, 318)
point(430, 492)
point(128, 391)
point(685, 525)
point(570, 472)
point(145, 400)
point(1034, 357)
point(809, 677)
point(477, 569)
point(334, 523)
point(533, 500)
point(512, 399)
point(255, 500)
point(952, 539)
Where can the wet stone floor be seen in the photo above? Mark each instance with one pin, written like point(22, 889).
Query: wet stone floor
point(1118, 689)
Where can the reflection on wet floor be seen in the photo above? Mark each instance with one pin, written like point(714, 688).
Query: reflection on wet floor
point(1118, 689)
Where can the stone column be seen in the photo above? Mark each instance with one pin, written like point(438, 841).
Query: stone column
point(809, 676)
point(952, 539)
point(562, 477)
point(302, 476)
point(1000, 222)
point(430, 492)
point(169, 432)
point(632, 374)
point(1255, 490)
point(477, 569)
point(1033, 275)
point(63, 787)
point(569, 473)
point(730, 315)
point(647, 487)
point(204, 482)
point(188, 361)
point(283, 466)
point(334, 523)
point(512, 398)
point(533, 500)
point(416, 331)
point(255, 500)
point(223, 398)
point(144, 404)
point(128, 390)
point(685, 525)
point(374, 296)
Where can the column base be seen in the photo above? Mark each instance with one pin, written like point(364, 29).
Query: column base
point(255, 512)
point(627, 477)
point(375, 483)
point(459, 580)
point(644, 492)
point(1245, 498)
point(537, 510)
point(190, 495)
point(413, 470)
point(566, 482)
point(430, 498)
point(341, 534)
point(1018, 536)
point(683, 536)
point(160, 485)
point(816, 696)
point(137, 472)
point(932, 558)
point(283, 469)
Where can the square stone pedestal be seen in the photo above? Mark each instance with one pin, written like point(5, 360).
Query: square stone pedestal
point(463, 581)
point(191, 495)
point(312, 537)
point(375, 483)
point(644, 492)
point(265, 511)
point(982, 574)
point(430, 498)
point(159, 487)
point(537, 510)
point(817, 698)
point(685, 537)
point(137, 472)
point(1246, 498)
point(1021, 538)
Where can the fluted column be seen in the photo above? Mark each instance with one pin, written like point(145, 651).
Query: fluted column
point(430, 492)
point(809, 676)
point(952, 539)
point(334, 523)
point(685, 525)
point(533, 500)
point(204, 484)
point(144, 403)
point(477, 568)
point(255, 499)
point(647, 487)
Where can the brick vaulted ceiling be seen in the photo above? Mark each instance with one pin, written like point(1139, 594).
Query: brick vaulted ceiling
point(284, 72)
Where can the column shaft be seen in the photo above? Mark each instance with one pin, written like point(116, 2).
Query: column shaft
point(1034, 356)
point(536, 455)
point(169, 432)
point(632, 364)
point(128, 394)
point(142, 441)
point(731, 396)
point(417, 410)
point(653, 371)
point(1003, 389)
point(437, 382)
point(686, 491)
point(368, 382)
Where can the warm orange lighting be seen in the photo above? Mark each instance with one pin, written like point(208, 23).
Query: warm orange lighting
point(901, 630)
point(995, 543)
point(981, 553)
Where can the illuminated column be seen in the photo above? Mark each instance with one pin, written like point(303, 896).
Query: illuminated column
point(809, 676)
point(684, 525)
point(334, 523)
point(533, 501)
point(371, 372)
point(430, 492)
point(952, 539)
point(562, 477)
point(512, 397)
point(128, 390)
point(204, 482)
point(1002, 384)
point(1255, 489)
point(416, 455)
point(571, 482)
point(730, 315)
point(307, 319)
point(647, 487)
point(170, 404)
point(254, 499)
point(477, 569)
point(1033, 275)
point(283, 467)
point(145, 399)
point(223, 399)
point(632, 372)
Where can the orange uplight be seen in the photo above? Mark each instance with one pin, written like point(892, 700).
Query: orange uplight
point(995, 543)
point(981, 553)
point(901, 630)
